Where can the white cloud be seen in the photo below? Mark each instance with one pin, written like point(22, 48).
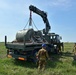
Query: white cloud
point(59, 3)
point(22, 5)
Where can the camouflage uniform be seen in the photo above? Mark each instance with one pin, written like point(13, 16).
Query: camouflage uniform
point(42, 55)
point(74, 50)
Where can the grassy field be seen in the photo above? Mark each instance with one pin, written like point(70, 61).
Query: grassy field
point(59, 65)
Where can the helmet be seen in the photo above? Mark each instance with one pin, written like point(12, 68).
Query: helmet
point(43, 45)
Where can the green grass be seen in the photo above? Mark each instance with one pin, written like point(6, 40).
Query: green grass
point(58, 65)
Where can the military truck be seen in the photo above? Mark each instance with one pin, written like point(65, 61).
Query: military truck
point(28, 41)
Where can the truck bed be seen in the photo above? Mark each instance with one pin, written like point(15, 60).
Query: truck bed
point(22, 46)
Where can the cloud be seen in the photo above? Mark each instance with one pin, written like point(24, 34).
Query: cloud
point(59, 3)
point(21, 5)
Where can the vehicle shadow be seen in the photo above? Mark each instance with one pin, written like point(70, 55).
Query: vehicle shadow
point(26, 64)
point(54, 59)
point(68, 54)
point(52, 63)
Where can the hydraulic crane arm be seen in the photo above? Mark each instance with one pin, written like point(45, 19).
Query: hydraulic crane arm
point(44, 17)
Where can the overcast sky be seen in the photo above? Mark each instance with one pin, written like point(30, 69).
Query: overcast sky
point(14, 15)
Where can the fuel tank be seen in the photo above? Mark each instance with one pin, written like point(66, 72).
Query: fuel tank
point(24, 34)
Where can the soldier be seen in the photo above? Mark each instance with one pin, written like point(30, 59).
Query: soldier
point(42, 55)
point(74, 51)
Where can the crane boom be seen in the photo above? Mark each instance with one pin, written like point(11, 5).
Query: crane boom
point(44, 17)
